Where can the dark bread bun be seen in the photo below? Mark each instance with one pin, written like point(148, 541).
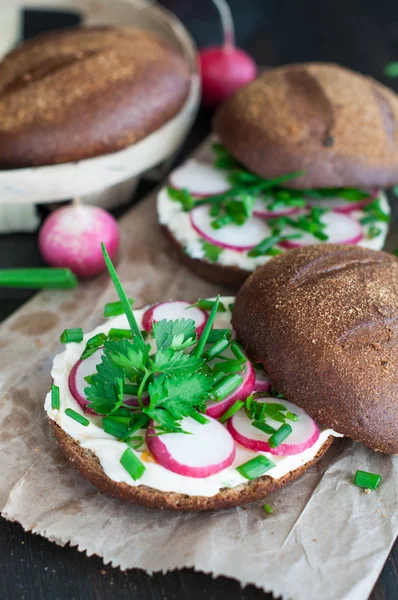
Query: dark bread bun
point(89, 466)
point(82, 92)
point(323, 320)
point(336, 125)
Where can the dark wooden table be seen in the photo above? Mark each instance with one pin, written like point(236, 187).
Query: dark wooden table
point(361, 34)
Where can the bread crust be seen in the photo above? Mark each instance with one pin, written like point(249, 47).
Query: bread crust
point(338, 126)
point(83, 92)
point(89, 466)
point(323, 320)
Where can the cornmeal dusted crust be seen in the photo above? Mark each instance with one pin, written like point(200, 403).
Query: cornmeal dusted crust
point(323, 320)
point(89, 466)
point(82, 92)
point(338, 126)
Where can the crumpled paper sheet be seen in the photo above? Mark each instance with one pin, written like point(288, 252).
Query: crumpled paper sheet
point(327, 538)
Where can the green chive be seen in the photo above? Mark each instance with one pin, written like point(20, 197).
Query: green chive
point(216, 349)
point(122, 294)
point(135, 442)
point(134, 467)
point(268, 509)
point(217, 334)
point(207, 305)
point(130, 389)
point(229, 366)
point(115, 428)
point(197, 351)
point(93, 344)
point(55, 401)
point(370, 481)
point(113, 309)
point(72, 335)
point(231, 411)
point(236, 349)
point(231, 306)
point(391, 70)
point(200, 418)
point(279, 436)
point(38, 278)
point(255, 467)
point(226, 386)
point(120, 334)
point(141, 423)
point(373, 231)
point(264, 427)
point(291, 416)
point(76, 417)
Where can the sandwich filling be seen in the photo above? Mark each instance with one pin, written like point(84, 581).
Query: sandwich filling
point(165, 397)
point(220, 213)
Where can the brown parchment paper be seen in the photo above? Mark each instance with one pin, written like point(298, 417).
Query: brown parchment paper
point(327, 538)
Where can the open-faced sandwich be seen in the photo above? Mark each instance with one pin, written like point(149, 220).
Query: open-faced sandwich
point(304, 153)
point(169, 406)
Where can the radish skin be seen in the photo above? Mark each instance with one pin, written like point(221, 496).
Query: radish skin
point(262, 382)
point(340, 205)
point(173, 310)
point(199, 179)
point(340, 229)
point(208, 450)
point(217, 409)
point(77, 383)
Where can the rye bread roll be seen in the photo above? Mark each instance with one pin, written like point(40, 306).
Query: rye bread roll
point(338, 126)
point(82, 92)
point(89, 466)
point(323, 320)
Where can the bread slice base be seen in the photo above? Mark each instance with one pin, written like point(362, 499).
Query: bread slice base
point(86, 462)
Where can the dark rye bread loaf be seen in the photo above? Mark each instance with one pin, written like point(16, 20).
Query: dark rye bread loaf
point(82, 92)
point(89, 466)
point(338, 126)
point(323, 320)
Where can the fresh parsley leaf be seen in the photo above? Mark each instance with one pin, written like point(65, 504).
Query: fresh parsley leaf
point(211, 251)
point(175, 363)
point(105, 393)
point(174, 334)
point(183, 197)
point(128, 354)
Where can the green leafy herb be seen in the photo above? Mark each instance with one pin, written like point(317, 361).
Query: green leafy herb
point(93, 344)
point(72, 335)
point(183, 197)
point(174, 334)
point(105, 393)
point(134, 467)
point(77, 417)
point(55, 400)
point(373, 232)
point(211, 252)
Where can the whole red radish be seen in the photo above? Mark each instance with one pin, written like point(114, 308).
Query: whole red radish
point(71, 237)
point(224, 68)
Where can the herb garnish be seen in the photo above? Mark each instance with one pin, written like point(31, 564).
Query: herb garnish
point(211, 251)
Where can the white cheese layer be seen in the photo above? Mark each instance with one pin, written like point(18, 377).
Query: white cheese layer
point(172, 215)
point(109, 450)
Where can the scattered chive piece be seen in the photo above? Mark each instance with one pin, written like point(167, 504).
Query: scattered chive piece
point(370, 481)
point(208, 305)
point(255, 467)
point(217, 334)
point(391, 70)
point(113, 309)
point(197, 351)
point(264, 427)
point(236, 349)
point(216, 349)
point(280, 435)
point(200, 418)
point(268, 509)
point(129, 388)
point(115, 428)
point(93, 344)
point(229, 366)
point(291, 416)
point(121, 293)
point(120, 333)
point(135, 442)
point(134, 467)
point(76, 417)
point(142, 421)
point(231, 306)
point(55, 402)
point(72, 335)
point(226, 386)
point(38, 278)
point(231, 411)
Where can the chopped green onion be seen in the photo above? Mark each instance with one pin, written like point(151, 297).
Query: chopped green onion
point(197, 351)
point(370, 481)
point(373, 232)
point(130, 389)
point(255, 467)
point(231, 411)
point(208, 305)
point(391, 70)
point(141, 423)
point(200, 418)
point(226, 386)
point(280, 435)
point(236, 349)
point(55, 401)
point(72, 335)
point(291, 416)
point(113, 309)
point(231, 306)
point(264, 427)
point(135, 442)
point(182, 196)
point(38, 278)
point(216, 349)
point(134, 467)
point(120, 333)
point(76, 417)
point(217, 334)
point(268, 509)
point(115, 428)
point(93, 344)
point(229, 366)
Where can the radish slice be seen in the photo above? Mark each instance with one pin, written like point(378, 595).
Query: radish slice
point(235, 237)
point(216, 409)
point(200, 179)
point(304, 435)
point(262, 383)
point(173, 310)
point(339, 205)
point(340, 229)
point(260, 210)
point(208, 450)
point(77, 383)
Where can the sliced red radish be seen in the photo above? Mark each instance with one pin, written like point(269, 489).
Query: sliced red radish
point(260, 210)
point(340, 229)
point(216, 409)
point(173, 310)
point(304, 435)
point(200, 179)
point(235, 237)
point(339, 205)
point(208, 450)
point(77, 383)
point(262, 383)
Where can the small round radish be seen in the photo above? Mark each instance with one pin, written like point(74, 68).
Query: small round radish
point(216, 409)
point(304, 435)
point(199, 179)
point(260, 210)
point(339, 205)
point(234, 237)
point(340, 229)
point(262, 383)
point(207, 450)
point(173, 310)
point(71, 237)
point(224, 69)
point(77, 383)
